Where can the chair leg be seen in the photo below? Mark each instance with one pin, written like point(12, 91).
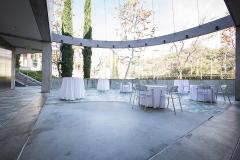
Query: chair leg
point(180, 103)
point(224, 97)
point(134, 98)
point(138, 101)
point(168, 102)
point(229, 99)
point(173, 106)
point(133, 102)
point(131, 98)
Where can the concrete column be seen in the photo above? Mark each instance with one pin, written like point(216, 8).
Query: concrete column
point(237, 72)
point(46, 68)
point(13, 64)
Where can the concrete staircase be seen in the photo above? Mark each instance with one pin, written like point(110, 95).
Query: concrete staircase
point(24, 80)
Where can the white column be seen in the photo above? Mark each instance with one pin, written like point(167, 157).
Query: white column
point(46, 68)
point(13, 64)
point(29, 61)
point(237, 72)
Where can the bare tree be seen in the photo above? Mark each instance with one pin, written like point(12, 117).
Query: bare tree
point(56, 24)
point(182, 55)
point(134, 22)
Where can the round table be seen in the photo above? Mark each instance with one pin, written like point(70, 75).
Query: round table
point(202, 95)
point(126, 87)
point(157, 98)
point(72, 88)
point(103, 85)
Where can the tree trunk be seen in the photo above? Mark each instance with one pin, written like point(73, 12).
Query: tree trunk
point(129, 64)
point(128, 68)
point(180, 74)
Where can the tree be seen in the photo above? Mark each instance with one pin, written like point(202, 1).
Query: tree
point(17, 65)
point(228, 37)
point(66, 49)
point(226, 53)
point(182, 56)
point(57, 28)
point(87, 34)
point(134, 23)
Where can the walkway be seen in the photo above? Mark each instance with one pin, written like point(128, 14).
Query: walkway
point(19, 110)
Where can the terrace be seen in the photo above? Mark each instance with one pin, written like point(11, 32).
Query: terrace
point(97, 118)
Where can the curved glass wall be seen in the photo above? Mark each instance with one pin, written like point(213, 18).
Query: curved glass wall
point(166, 16)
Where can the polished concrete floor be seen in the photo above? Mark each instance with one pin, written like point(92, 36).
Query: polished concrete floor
point(92, 95)
point(19, 110)
point(216, 139)
point(108, 128)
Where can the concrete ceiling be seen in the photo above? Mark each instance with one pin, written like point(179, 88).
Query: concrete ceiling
point(24, 23)
point(234, 9)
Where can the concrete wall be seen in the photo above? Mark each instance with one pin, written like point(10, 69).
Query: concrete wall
point(115, 83)
point(5, 68)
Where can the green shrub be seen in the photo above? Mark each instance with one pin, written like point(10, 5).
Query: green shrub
point(33, 74)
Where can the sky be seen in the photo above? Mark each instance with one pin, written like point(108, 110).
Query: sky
point(187, 14)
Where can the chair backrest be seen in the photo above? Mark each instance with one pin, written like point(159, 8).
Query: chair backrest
point(204, 87)
point(174, 89)
point(126, 83)
point(142, 88)
point(224, 88)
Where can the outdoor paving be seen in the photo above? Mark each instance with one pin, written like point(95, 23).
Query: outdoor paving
point(103, 125)
point(92, 95)
point(105, 131)
point(19, 110)
point(12, 101)
point(217, 139)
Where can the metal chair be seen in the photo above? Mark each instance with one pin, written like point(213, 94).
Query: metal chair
point(141, 93)
point(224, 91)
point(173, 94)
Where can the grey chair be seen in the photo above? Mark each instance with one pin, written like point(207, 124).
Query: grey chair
point(141, 92)
point(224, 91)
point(134, 93)
point(173, 94)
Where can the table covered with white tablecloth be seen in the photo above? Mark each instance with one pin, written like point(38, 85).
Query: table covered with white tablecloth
point(103, 85)
point(183, 85)
point(72, 88)
point(202, 95)
point(156, 98)
point(126, 87)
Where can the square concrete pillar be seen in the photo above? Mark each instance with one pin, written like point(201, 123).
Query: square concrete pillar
point(46, 68)
point(237, 72)
point(13, 66)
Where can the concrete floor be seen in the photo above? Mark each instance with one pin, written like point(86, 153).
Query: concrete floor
point(108, 128)
point(19, 110)
point(217, 139)
point(105, 130)
point(92, 95)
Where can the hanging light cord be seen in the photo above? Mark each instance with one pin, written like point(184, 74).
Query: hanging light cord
point(198, 13)
point(173, 13)
point(105, 19)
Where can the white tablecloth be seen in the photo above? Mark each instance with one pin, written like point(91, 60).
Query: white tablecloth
point(72, 88)
point(158, 98)
point(202, 95)
point(126, 87)
point(183, 85)
point(103, 85)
